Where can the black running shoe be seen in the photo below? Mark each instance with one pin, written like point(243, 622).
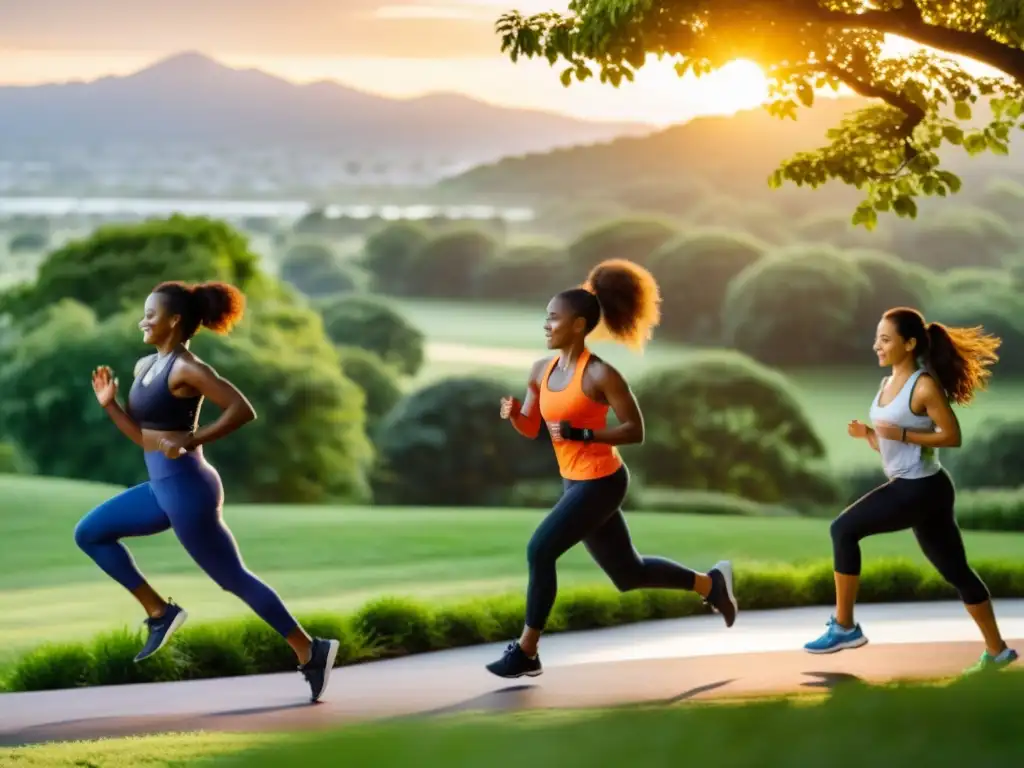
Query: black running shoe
point(515, 663)
point(317, 670)
point(160, 630)
point(721, 597)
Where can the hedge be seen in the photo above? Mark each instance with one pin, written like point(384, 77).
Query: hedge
point(390, 627)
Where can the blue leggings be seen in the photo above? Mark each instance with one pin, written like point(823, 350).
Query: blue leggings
point(185, 495)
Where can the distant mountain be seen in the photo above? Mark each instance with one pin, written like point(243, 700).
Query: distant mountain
point(192, 99)
point(737, 151)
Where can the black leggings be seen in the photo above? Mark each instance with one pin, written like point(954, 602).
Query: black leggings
point(590, 511)
point(926, 506)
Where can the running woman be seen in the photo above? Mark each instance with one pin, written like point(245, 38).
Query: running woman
point(184, 492)
point(912, 419)
point(572, 393)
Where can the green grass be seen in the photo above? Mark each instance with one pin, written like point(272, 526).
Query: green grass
point(335, 559)
point(503, 340)
point(857, 725)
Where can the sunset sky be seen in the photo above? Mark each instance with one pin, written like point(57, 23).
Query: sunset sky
point(393, 47)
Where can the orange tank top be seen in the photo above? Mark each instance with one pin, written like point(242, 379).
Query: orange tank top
point(578, 460)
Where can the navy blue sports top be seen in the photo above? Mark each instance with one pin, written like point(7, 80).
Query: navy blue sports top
point(154, 406)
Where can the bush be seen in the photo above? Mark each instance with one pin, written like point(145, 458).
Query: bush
point(635, 239)
point(378, 381)
point(525, 273)
point(758, 219)
point(444, 445)
point(795, 308)
point(119, 264)
point(389, 252)
point(834, 228)
point(991, 458)
point(374, 324)
point(314, 270)
point(391, 627)
point(694, 271)
point(991, 510)
point(446, 266)
point(28, 242)
point(308, 444)
point(892, 282)
point(13, 460)
point(721, 422)
point(960, 237)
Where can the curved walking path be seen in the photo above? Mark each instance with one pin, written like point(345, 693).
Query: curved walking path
point(655, 662)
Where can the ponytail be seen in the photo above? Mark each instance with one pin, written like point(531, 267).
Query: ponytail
point(960, 359)
point(629, 300)
point(214, 305)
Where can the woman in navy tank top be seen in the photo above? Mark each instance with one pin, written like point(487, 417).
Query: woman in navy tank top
point(184, 492)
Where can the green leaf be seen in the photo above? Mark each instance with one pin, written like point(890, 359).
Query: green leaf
point(975, 143)
point(913, 91)
point(998, 147)
point(905, 207)
point(566, 77)
point(953, 134)
point(951, 180)
point(962, 110)
point(776, 179)
point(805, 93)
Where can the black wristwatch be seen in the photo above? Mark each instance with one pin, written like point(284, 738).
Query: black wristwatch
point(569, 432)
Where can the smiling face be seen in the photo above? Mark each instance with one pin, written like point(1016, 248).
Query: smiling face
point(157, 324)
point(891, 348)
point(561, 326)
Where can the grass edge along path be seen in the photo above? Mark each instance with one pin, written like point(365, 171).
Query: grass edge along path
point(856, 724)
point(390, 627)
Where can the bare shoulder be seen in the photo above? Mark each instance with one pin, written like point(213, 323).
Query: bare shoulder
point(603, 372)
point(539, 367)
point(141, 362)
point(928, 387)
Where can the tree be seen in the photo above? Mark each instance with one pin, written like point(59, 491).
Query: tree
point(28, 242)
point(892, 282)
point(889, 151)
point(389, 252)
point(444, 445)
point(991, 459)
point(694, 271)
point(796, 308)
point(314, 269)
point(533, 272)
point(961, 238)
point(722, 422)
point(631, 238)
point(119, 264)
point(374, 324)
point(308, 443)
point(445, 267)
point(378, 381)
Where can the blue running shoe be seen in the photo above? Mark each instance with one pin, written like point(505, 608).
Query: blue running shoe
point(837, 638)
point(990, 663)
point(515, 663)
point(160, 630)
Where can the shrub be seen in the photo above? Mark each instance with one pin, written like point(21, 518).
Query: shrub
point(315, 271)
point(389, 252)
point(444, 445)
point(722, 422)
point(795, 308)
point(390, 627)
point(13, 460)
point(694, 271)
point(28, 242)
point(445, 267)
point(533, 272)
point(991, 510)
point(374, 324)
point(958, 238)
point(891, 282)
point(378, 381)
point(635, 239)
point(992, 457)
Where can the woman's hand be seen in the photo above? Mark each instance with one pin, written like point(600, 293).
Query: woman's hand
point(176, 447)
point(858, 429)
point(104, 385)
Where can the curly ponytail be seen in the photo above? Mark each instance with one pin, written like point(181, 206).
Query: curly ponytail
point(214, 305)
point(959, 357)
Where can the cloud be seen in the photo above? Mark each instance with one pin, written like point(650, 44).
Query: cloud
point(349, 28)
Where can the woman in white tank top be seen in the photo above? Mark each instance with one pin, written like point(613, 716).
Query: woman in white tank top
point(911, 420)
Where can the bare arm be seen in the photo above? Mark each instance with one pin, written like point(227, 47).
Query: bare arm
point(620, 397)
point(236, 411)
point(928, 396)
point(124, 422)
point(526, 417)
point(104, 384)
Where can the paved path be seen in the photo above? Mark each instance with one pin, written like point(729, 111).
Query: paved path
point(667, 661)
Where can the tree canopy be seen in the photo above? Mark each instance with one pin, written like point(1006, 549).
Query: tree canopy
point(890, 151)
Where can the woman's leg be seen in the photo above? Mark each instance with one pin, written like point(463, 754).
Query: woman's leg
point(134, 512)
point(942, 543)
point(193, 500)
point(584, 506)
point(888, 508)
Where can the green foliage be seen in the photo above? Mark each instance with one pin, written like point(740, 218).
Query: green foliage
point(892, 282)
point(13, 460)
point(533, 272)
point(834, 228)
point(374, 324)
point(307, 444)
point(445, 267)
point(445, 446)
point(119, 264)
point(889, 151)
point(378, 381)
point(389, 253)
point(694, 271)
point(999, 509)
point(675, 198)
point(390, 627)
point(1000, 310)
point(721, 422)
point(959, 238)
point(635, 239)
point(314, 269)
point(795, 308)
point(992, 457)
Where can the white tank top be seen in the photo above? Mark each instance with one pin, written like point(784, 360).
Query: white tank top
point(905, 460)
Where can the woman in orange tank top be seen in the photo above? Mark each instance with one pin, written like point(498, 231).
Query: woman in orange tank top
point(572, 393)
